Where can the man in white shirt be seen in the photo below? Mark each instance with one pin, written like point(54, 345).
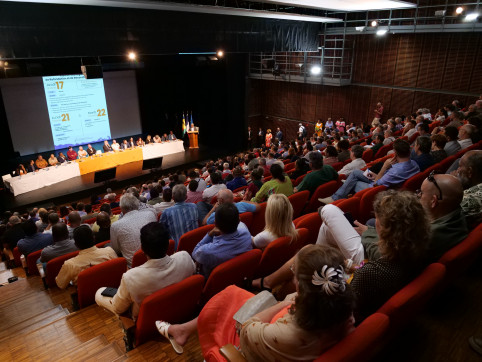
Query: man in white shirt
point(124, 234)
point(158, 272)
point(357, 162)
point(465, 135)
point(193, 175)
point(115, 146)
point(217, 185)
point(82, 153)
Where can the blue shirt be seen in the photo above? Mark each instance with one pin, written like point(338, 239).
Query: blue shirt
point(241, 206)
point(236, 183)
point(399, 173)
point(33, 243)
point(179, 219)
point(212, 251)
point(423, 160)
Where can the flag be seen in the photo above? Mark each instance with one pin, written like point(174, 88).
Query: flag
point(192, 123)
point(183, 125)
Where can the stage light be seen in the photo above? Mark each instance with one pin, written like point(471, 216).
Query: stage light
point(374, 23)
point(315, 70)
point(5, 64)
point(220, 53)
point(471, 17)
point(382, 32)
point(132, 56)
point(459, 10)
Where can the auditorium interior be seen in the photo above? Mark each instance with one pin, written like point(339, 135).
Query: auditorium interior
point(222, 66)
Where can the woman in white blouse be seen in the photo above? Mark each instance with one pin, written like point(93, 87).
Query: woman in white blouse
point(279, 221)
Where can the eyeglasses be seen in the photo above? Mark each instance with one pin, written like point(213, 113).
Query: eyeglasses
point(431, 178)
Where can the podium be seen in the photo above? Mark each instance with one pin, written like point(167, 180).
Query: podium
point(193, 135)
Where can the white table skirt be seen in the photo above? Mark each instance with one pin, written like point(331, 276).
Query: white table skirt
point(42, 178)
point(51, 175)
point(154, 150)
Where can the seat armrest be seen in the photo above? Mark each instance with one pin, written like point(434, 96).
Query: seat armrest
point(231, 353)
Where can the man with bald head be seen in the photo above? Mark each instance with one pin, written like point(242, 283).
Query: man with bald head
point(470, 174)
point(226, 197)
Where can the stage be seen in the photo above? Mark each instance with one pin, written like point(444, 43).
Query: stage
point(83, 186)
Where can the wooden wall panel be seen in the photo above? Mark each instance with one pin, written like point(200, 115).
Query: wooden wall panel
point(324, 101)
point(384, 66)
point(460, 62)
point(476, 77)
point(341, 103)
point(408, 60)
point(293, 100)
point(402, 103)
point(254, 106)
point(365, 53)
point(360, 110)
point(433, 58)
point(426, 100)
point(308, 103)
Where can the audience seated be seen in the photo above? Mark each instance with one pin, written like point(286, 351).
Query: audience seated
point(124, 234)
point(465, 136)
point(193, 196)
point(301, 327)
point(53, 218)
point(470, 174)
point(226, 196)
point(88, 213)
point(216, 186)
point(104, 223)
point(394, 172)
point(158, 272)
point(438, 144)
point(43, 220)
point(254, 185)
point(75, 222)
point(154, 196)
point(279, 184)
point(279, 221)
point(107, 209)
point(331, 156)
point(61, 244)
point(229, 238)
point(89, 255)
point(319, 175)
point(166, 202)
point(238, 180)
point(357, 163)
point(452, 146)
point(302, 166)
point(33, 240)
point(421, 153)
point(180, 218)
point(343, 152)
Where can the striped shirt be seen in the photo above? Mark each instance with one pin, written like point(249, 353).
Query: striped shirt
point(179, 219)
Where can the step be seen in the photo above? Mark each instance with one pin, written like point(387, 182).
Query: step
point(36, 322)
point(85, 349)
point(108, 353)
point(17, 290)
point(25, 308)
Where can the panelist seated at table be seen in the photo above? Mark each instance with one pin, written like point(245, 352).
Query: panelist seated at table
point(40, 162)
point(32, 167)
point(124, 145)
point(82, 152)
point(91, 150)
point(132, 144)
point(71, 154)
point(20, 170)
point(157, 139)
point(164, 137)
point(148, 140)
point(140, 142)
point(172, 137)
point(115, 146)
point(107, 147)
point(53, 160)
point(61, 158)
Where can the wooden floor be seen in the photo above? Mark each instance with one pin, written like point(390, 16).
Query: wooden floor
point(39, 325)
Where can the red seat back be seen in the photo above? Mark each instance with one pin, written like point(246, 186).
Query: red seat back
point(360, 345)
point(106, 274)
point(382, 152)
point(290, 166)
point(246, 218)
point(461, 256)
point(322, 191)
point(402, 307)
point(302, 240)
point(189, 240)
point(275, 255)
point(32, 262)
point(444, 165)
point(233, 271)
point(366, 203)
point(90, 221)
point(414, 182)
point(176, 303)
point(240, 189)
point(413, 137)
point(139, 258)
point(298, 201)
point(367, 155)
point(102, 244)
point(16, 256)
point(54, 266)
point(337, 166)
point(351, 205)
point(311, 222)
point(171, 249)
point(298, 180)
point(258, 220)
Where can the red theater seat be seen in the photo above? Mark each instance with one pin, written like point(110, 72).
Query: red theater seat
point(16, 257)
point(290, 166)
point(366, 203)
point(382, 152)
point(239, 189)
point(351, 205)
point(258, 220)
point(32, 262)
point(275, 255)
point(298, 180)
point(106, 274)
point(233, 271)
point(298, 201)
point(189, 240)
point(322, 191)
point(54, 266)
point(367, 155)
point(140, 258)
point(311, 222)
point(246, 218)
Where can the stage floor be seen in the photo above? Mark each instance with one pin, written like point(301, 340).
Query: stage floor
point(83, 186)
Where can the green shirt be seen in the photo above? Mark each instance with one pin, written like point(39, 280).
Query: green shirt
point(273, 186)
point(316, 178)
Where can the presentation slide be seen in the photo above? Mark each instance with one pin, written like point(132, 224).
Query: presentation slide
point(77, 110)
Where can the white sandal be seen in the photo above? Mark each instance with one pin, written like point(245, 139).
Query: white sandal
point(163, 328)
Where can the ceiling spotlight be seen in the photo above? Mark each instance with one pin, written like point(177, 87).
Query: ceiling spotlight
point(315, 70)
point(381, 32)
point(459, 10)
point(132, 56)
point(5, 64)
point(374, 23)
point(471, 16)
point(220, 53)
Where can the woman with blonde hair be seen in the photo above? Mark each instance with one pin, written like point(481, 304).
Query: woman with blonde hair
point(279, 221)
point(269, 136)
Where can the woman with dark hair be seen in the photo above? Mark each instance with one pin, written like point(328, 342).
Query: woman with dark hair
point(279, 184)
point(255, 184)
point(302, 166)
point(331, 156)
point(301, 327)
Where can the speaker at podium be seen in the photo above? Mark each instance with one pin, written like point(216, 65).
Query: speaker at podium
point(193, 134)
